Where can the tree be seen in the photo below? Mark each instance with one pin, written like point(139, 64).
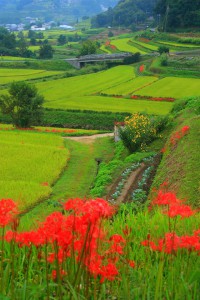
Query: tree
point(62, 39)
point(88, 47)
point(46, 51)
point(23, 104)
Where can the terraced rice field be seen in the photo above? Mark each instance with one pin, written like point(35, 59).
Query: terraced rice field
point(10, 75)
point(83, 85)
point(131, 86)
point(30, 164)
point(146, 45)
point(179, 44)
point(99, 103)
point(173, 87)
point(122, 45)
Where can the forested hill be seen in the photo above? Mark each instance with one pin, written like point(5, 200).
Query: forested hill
point(125, 13)
point(13, 11)
point(179, 13)
point(169, 13)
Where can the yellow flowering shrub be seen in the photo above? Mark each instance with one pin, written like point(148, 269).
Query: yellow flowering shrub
point(137, 132)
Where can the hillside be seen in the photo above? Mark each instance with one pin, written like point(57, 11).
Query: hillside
point(169, 15)
point(126, 13)
point(59, 10)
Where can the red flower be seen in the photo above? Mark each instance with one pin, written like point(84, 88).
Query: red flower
point(165, 199)
point(175, 210)
point(8, 211)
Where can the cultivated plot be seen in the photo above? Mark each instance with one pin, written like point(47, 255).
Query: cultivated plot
point(30, 164)
point(62, 89)
point(131, 86)
point(10, 75)
point(123, 45)
point(172, 87)
point(100, 103)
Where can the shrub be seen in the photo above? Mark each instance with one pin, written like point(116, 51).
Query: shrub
point(138, 132)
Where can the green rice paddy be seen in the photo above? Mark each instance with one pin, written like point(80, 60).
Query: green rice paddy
point(9, 75)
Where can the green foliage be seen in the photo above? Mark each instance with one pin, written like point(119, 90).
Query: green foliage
point(46, 51)
point(62, 39)
point(163, 49)
point(192, 103)
point(164, 60)
point(23, 104)
point(132, 59)
point(82, 119)
point(125, 13)
point(107, 171)
point(176, 14)
point(88, 47)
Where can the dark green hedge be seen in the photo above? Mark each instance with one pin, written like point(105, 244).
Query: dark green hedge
point(77, 119)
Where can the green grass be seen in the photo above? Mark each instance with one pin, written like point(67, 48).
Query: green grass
point(180, 165)
point(131, 86)
point(172, 87)
point(27, 161)
point(9, 75)
point(123, 45)
point(76, 180)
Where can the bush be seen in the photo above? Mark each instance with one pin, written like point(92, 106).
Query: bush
point(137, 132)
point(163, 49)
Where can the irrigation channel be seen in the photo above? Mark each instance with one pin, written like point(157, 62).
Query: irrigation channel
point(78, 177)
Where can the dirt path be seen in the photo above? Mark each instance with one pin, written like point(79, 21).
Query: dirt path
point(89, 139)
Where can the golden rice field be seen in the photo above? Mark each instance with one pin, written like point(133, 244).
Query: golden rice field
point(30, 164)
point(9, 75)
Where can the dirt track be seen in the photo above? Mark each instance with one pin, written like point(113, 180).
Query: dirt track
point(89, 139)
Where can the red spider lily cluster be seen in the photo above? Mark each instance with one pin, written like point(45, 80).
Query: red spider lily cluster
point(141, 68)
point(108, 45)
point(8, 211)
point(78, 234)
point(144, 40)
point(161, 99)
point(171, 243)
point(53, 130)
point(176, 136)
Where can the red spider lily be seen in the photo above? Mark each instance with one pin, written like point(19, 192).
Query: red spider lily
point(178, 135)
point(141, 68)
point(8, 211)
point(54, 274)
point(127, 231)
point(171, 243)
point(98, 207)
point(45, 184)
point(131, 263)
point(108, 272)
point(165, 198)
point(163, 150)
point(78, 235)
point(175, 210)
